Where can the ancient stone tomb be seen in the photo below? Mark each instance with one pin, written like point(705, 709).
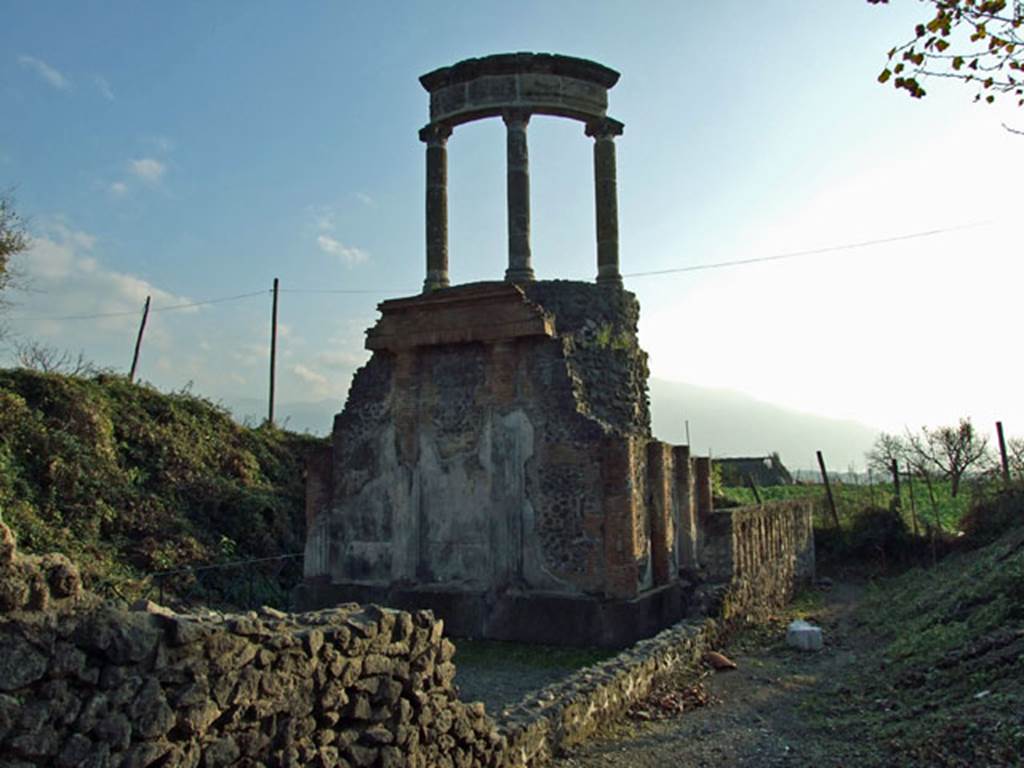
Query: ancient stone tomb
point(494, 460)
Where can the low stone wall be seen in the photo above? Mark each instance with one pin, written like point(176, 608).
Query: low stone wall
point(763, 553)
point(571, 711)
point(94, 686)
point(339, 688)
point(350, 686)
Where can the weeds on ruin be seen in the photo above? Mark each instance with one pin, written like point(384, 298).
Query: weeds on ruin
point(127, 480)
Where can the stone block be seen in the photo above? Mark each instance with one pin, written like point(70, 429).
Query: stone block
point(804, 636)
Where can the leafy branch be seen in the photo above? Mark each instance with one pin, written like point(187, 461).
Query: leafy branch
point(978, 42)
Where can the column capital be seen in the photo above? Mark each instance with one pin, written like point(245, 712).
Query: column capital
point(604, 128)
point(516, 117)
point(435, 134)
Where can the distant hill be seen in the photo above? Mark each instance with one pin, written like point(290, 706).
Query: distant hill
point(730, 423)
point(727, 422)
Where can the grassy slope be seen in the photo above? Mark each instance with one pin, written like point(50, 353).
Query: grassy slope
point(945, 686)
point(127, 480)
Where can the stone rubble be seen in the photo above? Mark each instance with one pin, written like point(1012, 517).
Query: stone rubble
point(89, 685)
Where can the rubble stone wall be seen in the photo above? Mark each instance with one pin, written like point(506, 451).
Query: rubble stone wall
point(88, 685)
point(762, 552)
point(346, 687)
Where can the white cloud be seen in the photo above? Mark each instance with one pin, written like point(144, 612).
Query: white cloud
point(118, 189)
point(148, 169)
point(344, 361)
point(309, 375)
point(65, 279)
point(317, 383)
point(365, 199)
point(103, 86)
point(50, 74)
point(349, 255)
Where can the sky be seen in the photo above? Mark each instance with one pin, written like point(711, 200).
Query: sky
point(196, 151)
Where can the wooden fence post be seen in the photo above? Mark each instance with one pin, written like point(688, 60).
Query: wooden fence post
point(138, 341)
point(913, 504)
point(828, 491)
point(273, 354)
point(896, 483)
point(1002, 452)
point(753, 486)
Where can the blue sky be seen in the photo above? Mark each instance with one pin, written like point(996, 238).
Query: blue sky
point(198, 150)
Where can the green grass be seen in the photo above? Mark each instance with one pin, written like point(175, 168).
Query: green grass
point(851, 499)
point(944, 684)
point(127, 480)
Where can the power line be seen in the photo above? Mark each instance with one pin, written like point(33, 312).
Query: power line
point(377, 291)
point(809, 252)
point(385, 292)
point(135, 312)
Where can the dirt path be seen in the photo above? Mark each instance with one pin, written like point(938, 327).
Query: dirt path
point(758, 715)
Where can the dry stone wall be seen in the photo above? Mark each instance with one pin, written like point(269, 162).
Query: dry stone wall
point(91, 686)
point(351, 686)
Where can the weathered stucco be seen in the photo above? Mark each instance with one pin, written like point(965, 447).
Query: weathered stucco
point(494, 460)
point(498, 444)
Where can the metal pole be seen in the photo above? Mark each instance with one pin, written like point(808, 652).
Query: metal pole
point(138, 340)
point(273, 354)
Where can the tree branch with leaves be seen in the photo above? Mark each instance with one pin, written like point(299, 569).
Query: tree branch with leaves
point(978, 42)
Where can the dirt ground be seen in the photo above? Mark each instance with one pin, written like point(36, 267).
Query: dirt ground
point(761, 714)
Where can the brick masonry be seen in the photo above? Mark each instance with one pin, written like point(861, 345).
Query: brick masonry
point(494, 462)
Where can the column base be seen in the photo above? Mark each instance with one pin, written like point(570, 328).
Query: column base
point(614, 279)
point(434, 282)
point(519, 275)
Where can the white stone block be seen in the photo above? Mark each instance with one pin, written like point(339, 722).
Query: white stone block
point(804, 636)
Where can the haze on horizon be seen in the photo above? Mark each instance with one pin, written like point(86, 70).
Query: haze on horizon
point(198, 153)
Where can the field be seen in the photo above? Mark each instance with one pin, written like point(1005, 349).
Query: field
point(921, 506)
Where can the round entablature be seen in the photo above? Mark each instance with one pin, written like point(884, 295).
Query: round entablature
point(541, 83)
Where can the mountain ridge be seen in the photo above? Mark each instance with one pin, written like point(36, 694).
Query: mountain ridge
point(723, 422)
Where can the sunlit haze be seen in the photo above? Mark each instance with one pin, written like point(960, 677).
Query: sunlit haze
point(197, 151)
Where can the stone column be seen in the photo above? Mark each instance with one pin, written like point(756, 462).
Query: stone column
point(604, 132)
point(436, 138)
point(520, 268)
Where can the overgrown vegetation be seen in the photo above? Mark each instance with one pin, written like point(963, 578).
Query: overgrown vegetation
point(876, 532)
point(128, 481)
point(947, 687)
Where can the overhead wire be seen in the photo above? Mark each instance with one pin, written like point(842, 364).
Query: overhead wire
point(809, 252)
point(135, 312)
point(651, 273)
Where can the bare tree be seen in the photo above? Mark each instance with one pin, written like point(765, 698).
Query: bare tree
point(1015, 455)
point(39, 357)
point(948, 451)
point(13, 240)
point(886, 449)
